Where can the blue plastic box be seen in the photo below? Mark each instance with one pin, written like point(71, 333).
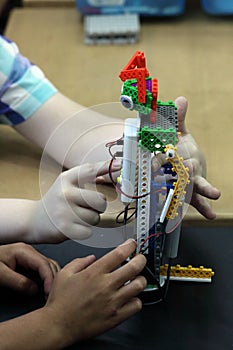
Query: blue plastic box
point(140, 7)
point(218, 7)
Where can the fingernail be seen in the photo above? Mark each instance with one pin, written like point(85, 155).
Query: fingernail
point(130, 240)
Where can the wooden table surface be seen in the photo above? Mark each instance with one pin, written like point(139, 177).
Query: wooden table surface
point(190, 56)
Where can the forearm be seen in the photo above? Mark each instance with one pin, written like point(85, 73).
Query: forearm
point(26, 221)
point(35, 330)
point(69, 131)
point(16, 217)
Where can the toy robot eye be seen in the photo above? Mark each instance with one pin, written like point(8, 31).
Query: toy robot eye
point(170, 153)
point(126, 101)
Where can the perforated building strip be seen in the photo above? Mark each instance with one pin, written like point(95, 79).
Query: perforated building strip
point(143, 204)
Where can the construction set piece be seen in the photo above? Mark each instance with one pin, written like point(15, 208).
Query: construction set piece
point(111, 29)
point(117, 21)
point(188, 273)
point(158, 195)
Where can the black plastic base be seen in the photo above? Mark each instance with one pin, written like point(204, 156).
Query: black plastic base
point(152, 295)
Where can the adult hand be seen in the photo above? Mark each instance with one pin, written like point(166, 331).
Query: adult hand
point(90, 297)
point(22, 256)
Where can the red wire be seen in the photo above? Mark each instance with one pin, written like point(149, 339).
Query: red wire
point(178, 223)
point(108, 144)
point(122, 192)
point(160, 233)
point(147, 239)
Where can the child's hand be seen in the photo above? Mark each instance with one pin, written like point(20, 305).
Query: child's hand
point(22, 256)
point(195, 160)
point(68, 210)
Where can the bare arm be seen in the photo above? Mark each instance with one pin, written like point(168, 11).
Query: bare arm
point(16, 260)
point(16, 217)
point(31, 331)
point(60, 122)
point(67, 210)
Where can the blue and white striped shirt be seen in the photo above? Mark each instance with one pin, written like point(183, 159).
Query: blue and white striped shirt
point(23, 86)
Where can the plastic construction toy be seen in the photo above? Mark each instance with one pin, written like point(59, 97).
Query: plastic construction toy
point(111, 29)
point(156, 196)
point(189, 273)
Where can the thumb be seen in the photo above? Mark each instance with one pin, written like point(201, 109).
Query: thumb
point(79, 264)
point(182, 106)
point(16, 281)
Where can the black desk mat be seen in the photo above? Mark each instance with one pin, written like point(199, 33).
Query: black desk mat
point(194, 315)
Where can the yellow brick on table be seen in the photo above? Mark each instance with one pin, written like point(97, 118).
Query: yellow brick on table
point(182, 55)
point(188, 273)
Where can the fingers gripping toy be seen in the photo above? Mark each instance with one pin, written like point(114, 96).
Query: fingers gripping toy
point(156, 194)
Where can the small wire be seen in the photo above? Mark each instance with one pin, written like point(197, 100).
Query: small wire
point(128, 217)
point(125, 214)
point(167, 279)
point(122, 192)
point(149, 237)
point(110, 144)
point(110, 152)
point(153, 276)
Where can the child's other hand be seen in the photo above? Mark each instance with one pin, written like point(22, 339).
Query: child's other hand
point(196, 162)
point(194, 159)
point(24, 257)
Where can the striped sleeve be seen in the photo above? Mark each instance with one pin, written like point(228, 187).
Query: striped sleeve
point(23, 86)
